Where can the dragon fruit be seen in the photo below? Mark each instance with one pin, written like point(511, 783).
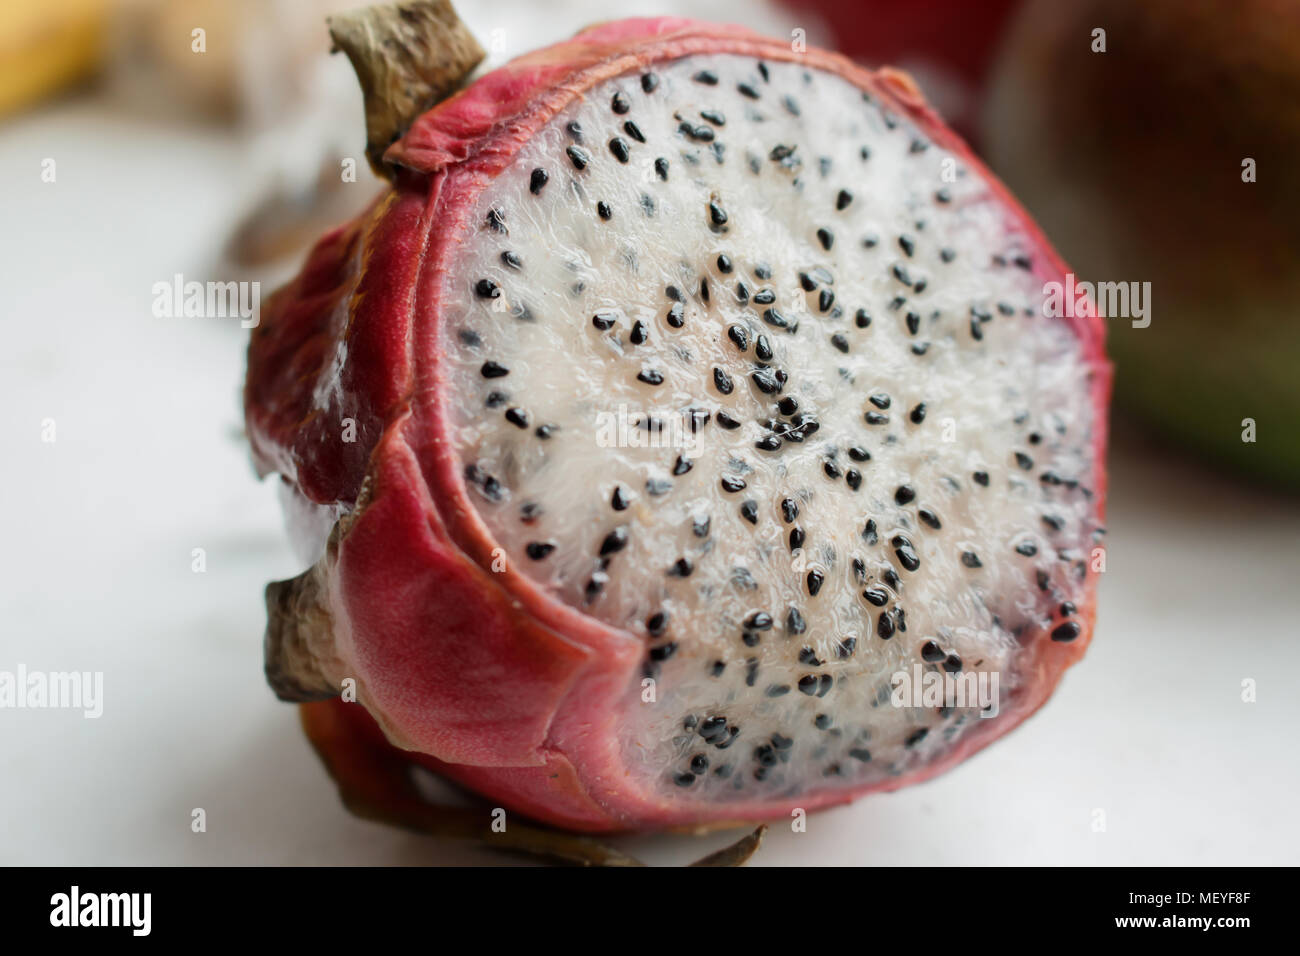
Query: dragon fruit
point(683, 391)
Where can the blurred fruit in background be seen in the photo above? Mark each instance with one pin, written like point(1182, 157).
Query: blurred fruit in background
point(1132, 161)
point(947, 45)
point(46, 46)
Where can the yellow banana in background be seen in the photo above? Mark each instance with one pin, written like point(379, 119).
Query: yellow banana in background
point(46, 45)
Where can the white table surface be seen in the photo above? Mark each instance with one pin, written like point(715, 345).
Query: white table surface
point(1202, 591)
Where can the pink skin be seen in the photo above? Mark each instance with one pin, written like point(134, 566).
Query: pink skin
point(483, 675)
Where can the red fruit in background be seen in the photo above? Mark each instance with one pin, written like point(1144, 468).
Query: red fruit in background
point(1169, 159)
point(682, 391)
point(949, 46)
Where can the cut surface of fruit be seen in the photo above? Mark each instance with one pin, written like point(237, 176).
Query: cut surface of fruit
point(710, 390)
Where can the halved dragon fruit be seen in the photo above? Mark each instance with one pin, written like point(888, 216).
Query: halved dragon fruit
point(684, 391)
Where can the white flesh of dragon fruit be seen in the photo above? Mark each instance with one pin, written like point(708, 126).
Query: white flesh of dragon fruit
point(604, 288)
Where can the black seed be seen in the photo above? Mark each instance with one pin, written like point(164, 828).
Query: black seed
point(1027, 548)
point(619, 501)
point(916, 737)
point(765, 297)
point(675, 316)
point(981, 478)
point(759, 621)
point(638, 335)
point(814, 579)
point(907, 244)
point(840, 341)
point(1042, 579)
point(825, 299)
point(789, 509)
point(700, 526)
point(1066, 632)
point(517, 417)
point(539, 549)
point(876, 418)
point(971, 559)
point(763, 349)
point(722, 381)
point(496, 220)
point(648, 82)
point(904, 494)
point(619, 103)
point(768, 443)
point(603, 210)
point(808, 684)
point(486, 289)
point(930, 518)
point(917, 414)
point(512, 260)
point(976, 330)
point(681, 568)
point(714, 116)
point(615, 541)
point(765, 380)
point(578, 156)
point(843, 199)
point(862, 319)
point(942, 196)
point(575, 130)
point(879, 597)
point(1024, 461)
point(724, 263)
point(663, 651)
point(658, 486)
point(947, 255)
point(1055, 522)
point(682, 465)
point(732, 483)
point(1067, 608)
point(618, 146)
point(656, 624)
point(493, 370)
point(885, 626)
point(716, 668)
point(869, 531)
point(604, 319)
point(794, 622)
point(825, 237)
point(717, 215)
point(749, 511)
point(739, 335)
point(701, 134)
point(854, 478)
point(913, 322)
point(684, 779)
point(707, 77)
point(725, 420)
point(538, 179)
point(907, 557)
point(797, 538)
point(496, 399)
